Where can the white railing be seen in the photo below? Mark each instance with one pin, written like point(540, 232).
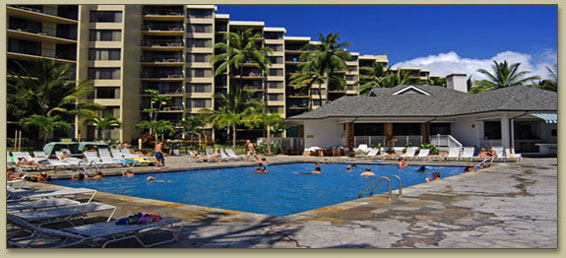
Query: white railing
point(287, 142)
point(445, 141)
point(400, 140)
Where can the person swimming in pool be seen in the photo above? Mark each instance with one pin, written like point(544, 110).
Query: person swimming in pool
point(127, 173)
point(97, 175)
point(422, 169)
point(263, 161)
point(403, 163)
point(326, 161)
point(261, 170)
point(349, 168)
point(79, 176)
point(317, 170)
point(354, 165)
point(435, 176)
point(367, 173)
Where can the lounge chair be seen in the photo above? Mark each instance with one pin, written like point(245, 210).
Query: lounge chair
point(362, 148)
point(233, 155)
point(53, 162)
point(225, 156)
point(453, 153)
point(39, 193)
point(141, 160)
point(198, 159)
point(40, 204)
point(211, 155)
point(20, 154)
point(499, 153)
point(92, 156)
point(9, 160)
point(468, 153)
point(53, 215)
point(74, 162)
point(423, 154)
point(512, 155)
point(106, 155)
point(372, 153)
point(410, 152)
point(89, 233)
point(23, 154)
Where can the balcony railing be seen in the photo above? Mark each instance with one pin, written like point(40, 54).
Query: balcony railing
point(445, 141)
point(163, 28)
point(164, 12)
point(164, 90)
point(170, 75)
point(165, 108)
point(400, 140)
point(163, 43)
point(165, 59)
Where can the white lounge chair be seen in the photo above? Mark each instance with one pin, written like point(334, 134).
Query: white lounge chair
point(410, 152)
point(225, 156)
point(39, 193)
point(468, 153)
point(453, 153)
point(511, 155)
point(372, 153)
point(423, 154)
point(69, 160)
point(362, 148)
point(105, 155)
point(53, 162)
point(211, 155)
point(40, 204)
point(67, 213)
point(89, 233)
point(233, 155)
point(92, 156)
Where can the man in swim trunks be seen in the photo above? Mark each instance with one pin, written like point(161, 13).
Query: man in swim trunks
point(367, 173)
point(250, 150)
point(159, 155)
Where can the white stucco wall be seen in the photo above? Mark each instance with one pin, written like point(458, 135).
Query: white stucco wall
point(463, 131)
point(325, 133)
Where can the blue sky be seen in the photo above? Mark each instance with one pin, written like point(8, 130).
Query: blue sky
point(409, 32)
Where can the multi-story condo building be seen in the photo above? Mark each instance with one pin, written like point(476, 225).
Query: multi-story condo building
point(127, 49)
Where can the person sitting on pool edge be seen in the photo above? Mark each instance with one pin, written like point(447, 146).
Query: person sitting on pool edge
point(403, 163)
point(435, 176)
point(127, 173)
point(422, 169)
point(367, 173)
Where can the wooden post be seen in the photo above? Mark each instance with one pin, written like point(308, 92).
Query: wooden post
point(349, 135)
point(388, 130)
point(425, 131)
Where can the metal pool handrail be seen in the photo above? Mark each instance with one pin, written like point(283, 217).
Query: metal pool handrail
point(400, 184)
point(379, 178)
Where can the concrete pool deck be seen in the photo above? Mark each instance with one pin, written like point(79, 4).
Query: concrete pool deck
point(511, 205)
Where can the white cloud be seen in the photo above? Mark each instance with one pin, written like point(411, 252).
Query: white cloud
point(446, 63)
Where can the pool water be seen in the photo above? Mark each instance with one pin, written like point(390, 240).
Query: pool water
point(280, 192)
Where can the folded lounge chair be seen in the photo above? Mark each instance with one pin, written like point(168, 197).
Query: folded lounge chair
point(40, 204)
point(233, 155)
point(39, 193)
point(107, 231)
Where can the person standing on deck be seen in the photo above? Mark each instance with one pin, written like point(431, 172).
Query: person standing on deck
point(250, 150)
point(159, 155)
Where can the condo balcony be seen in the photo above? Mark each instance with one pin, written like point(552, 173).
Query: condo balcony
point(163, 88)
point(162, 60)
point(163, 44)
point(163, 29)
point(300, 95)
point(38, 14)
point(160, 13)
point(162, 74)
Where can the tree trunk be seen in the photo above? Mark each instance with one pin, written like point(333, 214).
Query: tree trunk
point(234, 137)
point(268, 140)
point(327, 82)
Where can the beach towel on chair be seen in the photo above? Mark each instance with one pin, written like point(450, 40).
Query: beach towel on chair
point(140, 218)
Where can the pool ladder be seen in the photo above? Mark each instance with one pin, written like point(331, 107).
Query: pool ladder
point(91, 165)
point(381, 180)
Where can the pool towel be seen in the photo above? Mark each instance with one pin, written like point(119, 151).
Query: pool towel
point(140, 218)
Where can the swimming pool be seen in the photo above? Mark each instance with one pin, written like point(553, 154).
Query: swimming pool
point(280, 192)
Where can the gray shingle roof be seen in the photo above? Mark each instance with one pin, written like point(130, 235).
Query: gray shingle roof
point(441, 102)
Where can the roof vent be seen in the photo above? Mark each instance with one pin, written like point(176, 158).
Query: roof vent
point(411, 89)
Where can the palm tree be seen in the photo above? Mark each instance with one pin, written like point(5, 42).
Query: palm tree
point(373, 77)
point(45, 123)
point(503, 75)
point(549, 84)
point(191, 125)
point(156, 102)
point(160, 127)
point(233, 107)
point(396, 78)
point(268, 120)
point(441, 81)
point(323, 60)
point(103, 124)
point(50, 87)
point(242, 47)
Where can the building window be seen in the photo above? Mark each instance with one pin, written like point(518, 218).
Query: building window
point(276, 48)
point(275, 85)
point(199, 103)
point(352, 68)
point(199, 42)
point(199, 58)
point(107, 92)
point(199, 87)
point(104, 73)
point(275, 72)
point(492, 130)
point(275, 97)
point(199, 28)
point(24, 25)
point(111, 110)
point(24, 46)
point(105, 16)
point(199, 72)
point(275, 59)
point(105, 35)
point(350, 77)
point(316, 102)
point(200, 14)
point(103, 54)
point(554, 132)
point(275, 109)
point(273, 35)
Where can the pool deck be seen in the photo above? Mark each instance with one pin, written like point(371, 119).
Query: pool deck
point(510, 205)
